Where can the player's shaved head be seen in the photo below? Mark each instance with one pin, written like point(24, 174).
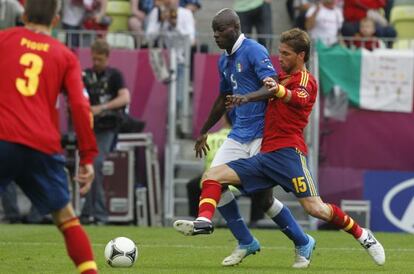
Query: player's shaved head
point(226, 28)
point(227, 17)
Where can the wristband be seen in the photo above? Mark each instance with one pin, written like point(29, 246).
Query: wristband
point(281, 91)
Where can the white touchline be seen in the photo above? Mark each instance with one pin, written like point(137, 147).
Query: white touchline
point(212, 246)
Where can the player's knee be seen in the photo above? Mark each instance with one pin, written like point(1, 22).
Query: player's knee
point(214, 173)
point(315, 209)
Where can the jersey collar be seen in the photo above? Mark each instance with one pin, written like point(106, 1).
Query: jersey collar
point(236, 45)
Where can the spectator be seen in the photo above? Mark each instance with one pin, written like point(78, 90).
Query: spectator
point(324, 21)
point(173, 26)
point(255, 14)
point(170, 19)
point(387, 9)
point(108, 96)
point(365, 38)
point(298, 10)
point(193, 5)
point(136, 23)
point(356, 10)
point(10, 13)
point(75, 12)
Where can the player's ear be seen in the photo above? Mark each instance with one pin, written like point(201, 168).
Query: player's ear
point(55, 20)
point(302, 55)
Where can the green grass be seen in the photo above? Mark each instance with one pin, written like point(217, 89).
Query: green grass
point(40, 249)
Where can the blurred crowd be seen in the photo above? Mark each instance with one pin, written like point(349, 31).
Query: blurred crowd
point(356, 23)
point(363, 23)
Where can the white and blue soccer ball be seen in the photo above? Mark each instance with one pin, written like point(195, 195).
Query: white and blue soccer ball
point(121, 252)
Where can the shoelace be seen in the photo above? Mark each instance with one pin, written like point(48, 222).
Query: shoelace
point(368, 242)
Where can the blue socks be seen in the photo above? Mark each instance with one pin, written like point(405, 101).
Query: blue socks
point(290, 227)
point(236, 224)
point(279, 213)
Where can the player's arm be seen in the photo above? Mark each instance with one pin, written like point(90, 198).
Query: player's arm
point(217, 111)
point(259, 59)
point(262, 94)
point(83, 122)
point(299, 96)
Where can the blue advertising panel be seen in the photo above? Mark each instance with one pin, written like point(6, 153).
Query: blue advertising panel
point(392, 200)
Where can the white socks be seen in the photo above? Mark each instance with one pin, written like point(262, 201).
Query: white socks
point(226, 197)
point(275, 208)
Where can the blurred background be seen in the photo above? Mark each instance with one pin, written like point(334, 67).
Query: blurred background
point(360, 134)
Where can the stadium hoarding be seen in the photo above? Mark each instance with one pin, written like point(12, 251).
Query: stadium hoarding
point(392, 200)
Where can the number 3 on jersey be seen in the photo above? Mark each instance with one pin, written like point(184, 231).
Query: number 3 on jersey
point(34, 64)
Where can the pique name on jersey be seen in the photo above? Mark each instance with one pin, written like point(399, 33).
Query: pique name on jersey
point(34, 45)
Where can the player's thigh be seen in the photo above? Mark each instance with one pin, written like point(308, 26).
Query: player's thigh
point(289, 168)
point(251, 174)
point(222, 174)
point(229, 151)
point(44, 181)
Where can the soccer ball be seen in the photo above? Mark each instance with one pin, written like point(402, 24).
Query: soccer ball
point(121, 252)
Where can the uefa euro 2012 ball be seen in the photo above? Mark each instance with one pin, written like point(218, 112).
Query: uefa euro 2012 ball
point(121, 252)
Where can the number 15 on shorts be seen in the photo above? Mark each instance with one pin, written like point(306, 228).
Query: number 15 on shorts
point(299, 184)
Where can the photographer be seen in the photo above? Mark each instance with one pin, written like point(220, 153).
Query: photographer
point(108, 97)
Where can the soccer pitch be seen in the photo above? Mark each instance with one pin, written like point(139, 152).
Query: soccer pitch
point(40, 249)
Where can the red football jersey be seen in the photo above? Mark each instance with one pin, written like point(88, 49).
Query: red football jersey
point(286, 119)
point(35, 69)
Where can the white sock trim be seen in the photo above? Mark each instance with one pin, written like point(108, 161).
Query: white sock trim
point(203, 219)
point(226, 197)
point(364, 235)
point(275, 208)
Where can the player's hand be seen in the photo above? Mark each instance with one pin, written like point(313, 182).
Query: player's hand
point(235, 100)
point(96, 110)
point(85, 177)
point(201, 147)
point(270, 84)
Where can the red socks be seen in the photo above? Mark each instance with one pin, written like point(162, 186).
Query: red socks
point(78, 246)
point(343, 221)
point(209, 198)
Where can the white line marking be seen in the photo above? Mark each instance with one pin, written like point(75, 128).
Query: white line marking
point(209, 247)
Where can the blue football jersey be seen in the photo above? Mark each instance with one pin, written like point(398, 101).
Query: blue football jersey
point(243, 72)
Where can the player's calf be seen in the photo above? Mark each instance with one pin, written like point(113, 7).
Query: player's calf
point(78, 246)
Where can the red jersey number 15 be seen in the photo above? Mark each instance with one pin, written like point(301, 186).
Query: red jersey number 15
point(34, 65)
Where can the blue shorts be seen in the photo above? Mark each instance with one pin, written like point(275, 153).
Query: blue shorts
point(286, 167)
point(41, 177)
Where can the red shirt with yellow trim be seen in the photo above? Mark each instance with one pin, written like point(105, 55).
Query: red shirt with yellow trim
point(35, 69)
point(286, 117)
